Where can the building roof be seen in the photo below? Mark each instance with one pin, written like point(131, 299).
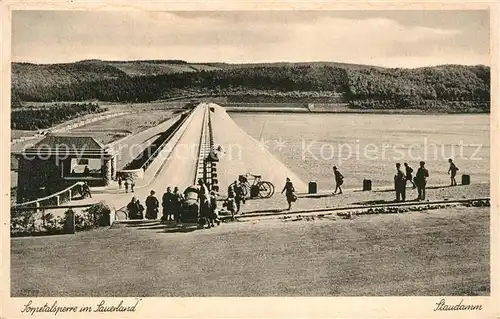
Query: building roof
point(69, 145)
point(59, 141)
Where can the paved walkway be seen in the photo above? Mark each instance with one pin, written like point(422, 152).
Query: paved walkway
point(323, 200)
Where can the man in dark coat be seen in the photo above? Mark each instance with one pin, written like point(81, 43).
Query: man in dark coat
point(421, 180)
point(133, 209)
point(166, 203)
point(176, 204)
point(239, 196)
point(400, 184)
point(152, 206)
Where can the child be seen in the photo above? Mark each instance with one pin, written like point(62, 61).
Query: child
point(231, 204)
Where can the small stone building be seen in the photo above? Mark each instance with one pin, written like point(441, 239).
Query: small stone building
point(59, 161)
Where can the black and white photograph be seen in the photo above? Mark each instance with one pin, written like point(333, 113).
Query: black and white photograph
point(251, 153)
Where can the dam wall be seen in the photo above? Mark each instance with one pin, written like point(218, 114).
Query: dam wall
point(243, 154)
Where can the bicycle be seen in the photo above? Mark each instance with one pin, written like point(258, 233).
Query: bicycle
point(265, 188)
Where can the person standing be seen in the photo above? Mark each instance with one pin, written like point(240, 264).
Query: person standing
point(400, 184)
point(453, 170)
point(204, 203)
point(289, 193)
point(421, 180)
point(409, 175)
point(119, 182)
point(212, 204)
point(176, 204)
point(166, 203)
point(140, 214)
point(230, 188)
point(126, 185)
point(133, 209)
point(339, 180)
point(132, 185)
point(230, 204)
point(239, 196)
point(152, 205)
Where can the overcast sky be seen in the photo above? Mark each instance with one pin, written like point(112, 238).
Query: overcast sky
point(386, 38)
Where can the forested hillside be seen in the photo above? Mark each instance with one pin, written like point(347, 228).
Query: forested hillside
point(449, 87)
point(47, 116)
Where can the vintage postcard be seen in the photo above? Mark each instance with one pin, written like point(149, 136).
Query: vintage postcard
point(250, 159)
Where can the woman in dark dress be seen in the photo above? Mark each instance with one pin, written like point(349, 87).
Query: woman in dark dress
point(289, 193)
point(133, 209)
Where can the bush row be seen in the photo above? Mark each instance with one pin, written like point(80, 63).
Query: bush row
point(28, 222)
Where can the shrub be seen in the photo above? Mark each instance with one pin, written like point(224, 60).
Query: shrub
point(53, 225)
point(22, 222)
point(96, 216)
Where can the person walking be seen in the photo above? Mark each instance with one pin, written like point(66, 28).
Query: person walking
point(119, 182)
point(339, 180)
point(132, 185)
point(453, 170)
point(152, 205)
point(421, 180)
point(409, 175)
point(86, 190)
point(289, 193)
point(166, 204)
point(126, 185)
point(400, 184)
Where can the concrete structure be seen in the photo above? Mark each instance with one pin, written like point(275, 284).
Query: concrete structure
point(59, 161)
point(184, 160)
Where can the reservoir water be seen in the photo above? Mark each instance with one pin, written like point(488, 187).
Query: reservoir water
point(367, 146)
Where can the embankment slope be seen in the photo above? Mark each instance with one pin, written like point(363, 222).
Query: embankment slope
point(244, 154)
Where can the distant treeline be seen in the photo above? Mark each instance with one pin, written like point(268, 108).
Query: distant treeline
point(367, 87)
point(47, 116)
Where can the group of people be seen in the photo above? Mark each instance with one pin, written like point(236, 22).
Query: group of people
point(207, 205)
point(401, 179)
point(171, 204)
point(235, 197)
point(419, 181)
point(135, 209)
point(126, 183)
point(172, 201)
